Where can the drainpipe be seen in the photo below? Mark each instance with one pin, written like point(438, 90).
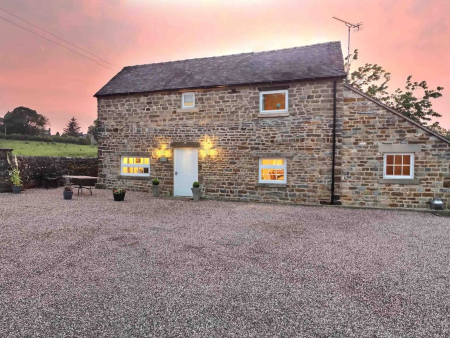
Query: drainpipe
point(334, 143)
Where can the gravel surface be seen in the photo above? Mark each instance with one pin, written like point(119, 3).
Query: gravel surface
point(147, 267)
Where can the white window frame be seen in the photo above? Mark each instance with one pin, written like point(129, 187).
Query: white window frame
point(261, 99)
point(182, 100)
point(397, 177)
point(140, 165)
point(266, 166)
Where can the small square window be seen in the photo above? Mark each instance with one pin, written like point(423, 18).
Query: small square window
point(272, 170)
point(188, 100)
point(275, 101)
point(398, 166)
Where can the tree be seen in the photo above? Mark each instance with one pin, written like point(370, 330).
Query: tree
point(414, 101)
point(57, 134)
point(93, 129)
point(72, 128)
point(23, 120)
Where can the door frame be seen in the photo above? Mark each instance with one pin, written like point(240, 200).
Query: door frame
point(174, 164)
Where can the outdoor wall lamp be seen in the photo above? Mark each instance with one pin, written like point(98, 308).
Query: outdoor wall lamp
point(163, 153)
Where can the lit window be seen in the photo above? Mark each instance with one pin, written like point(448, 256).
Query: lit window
point(398, 166)
point(135, 166)
point(275, 101)
point(272, 170)
point(188, 100)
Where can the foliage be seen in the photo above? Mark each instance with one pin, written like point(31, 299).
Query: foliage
point(94, 129)
point(68, 188)
point(54, 138)
point(195, 185)
point(155, 181)
point(14, 172)
point(30, 148)
point(72, 128)
point(118, 191)
point(414, 101)
point(23, 120)
point(57, 134)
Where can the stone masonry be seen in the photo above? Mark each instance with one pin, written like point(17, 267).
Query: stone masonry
point(368, 128)
point(141, 124)
point(229, 117)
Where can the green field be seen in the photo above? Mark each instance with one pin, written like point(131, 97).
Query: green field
point(31, 148)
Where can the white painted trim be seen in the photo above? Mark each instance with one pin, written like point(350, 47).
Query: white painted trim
point(261, 106)
point(140, 165)
point(396, 177)
point(265, 166)
point(182, 100)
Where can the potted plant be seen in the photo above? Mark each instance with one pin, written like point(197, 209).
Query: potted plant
point(15, 176)
point(119, 194)
point(68, 192)
point(196, 192)
point(155, 187)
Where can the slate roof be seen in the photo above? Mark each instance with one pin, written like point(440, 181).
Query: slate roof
point(300, 63)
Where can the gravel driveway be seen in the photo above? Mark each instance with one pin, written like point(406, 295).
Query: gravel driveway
point(146, 267)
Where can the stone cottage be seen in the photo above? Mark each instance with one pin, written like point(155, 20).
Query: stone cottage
point(277, 126)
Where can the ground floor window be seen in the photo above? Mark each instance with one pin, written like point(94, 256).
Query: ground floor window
point(398, 166)
point(272, 170)
point(135, 166)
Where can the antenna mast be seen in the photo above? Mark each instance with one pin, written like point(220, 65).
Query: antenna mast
point(357, 27)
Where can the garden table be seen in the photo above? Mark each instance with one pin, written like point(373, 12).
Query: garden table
point(87, 182)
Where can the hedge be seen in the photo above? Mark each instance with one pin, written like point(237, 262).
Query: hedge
point(52, 138)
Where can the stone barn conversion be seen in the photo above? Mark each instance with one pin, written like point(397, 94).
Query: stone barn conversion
point(277, 126)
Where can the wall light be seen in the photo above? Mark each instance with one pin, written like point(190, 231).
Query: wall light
point(207, 148)
point(163, 153)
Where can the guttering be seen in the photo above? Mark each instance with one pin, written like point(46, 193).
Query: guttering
point(333, 162)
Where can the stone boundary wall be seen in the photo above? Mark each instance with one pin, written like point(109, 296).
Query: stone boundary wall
point(32, 166)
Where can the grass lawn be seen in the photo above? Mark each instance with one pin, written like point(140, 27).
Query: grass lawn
point(31, 148)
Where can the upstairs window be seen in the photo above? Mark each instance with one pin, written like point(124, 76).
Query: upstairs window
point(135, 166)
point(275, 101)
point(188, 100)
point(272, 170)
point(398, 166)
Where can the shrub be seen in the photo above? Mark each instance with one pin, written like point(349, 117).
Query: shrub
point(118, 190)
point(67, 188)
point(155, 181)
point(195, 185)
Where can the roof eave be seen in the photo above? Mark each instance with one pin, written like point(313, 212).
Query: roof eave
point(97, 95)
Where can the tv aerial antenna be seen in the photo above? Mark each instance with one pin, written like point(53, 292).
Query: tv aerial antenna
point(356, 28)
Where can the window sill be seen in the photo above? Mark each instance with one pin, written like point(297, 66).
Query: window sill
point(263, 115)
point(410, 181)
point(139, 178)
point(187, 110)
point(272, 185)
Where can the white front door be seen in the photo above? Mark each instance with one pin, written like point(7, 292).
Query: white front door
point(185, 170)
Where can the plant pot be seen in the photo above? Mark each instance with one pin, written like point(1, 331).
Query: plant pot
point(119, 197)
point(155, 190)
point(16, 189)
point(196, 194)
point(67, 195)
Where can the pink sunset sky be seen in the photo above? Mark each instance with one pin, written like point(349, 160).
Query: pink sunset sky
point(404, 36)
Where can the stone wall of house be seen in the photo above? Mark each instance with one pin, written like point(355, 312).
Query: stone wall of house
point(229, 118)
point(32, 166)
point(368, 131)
